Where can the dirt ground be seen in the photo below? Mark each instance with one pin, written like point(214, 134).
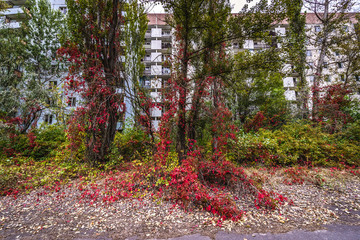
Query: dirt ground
point(62, 215)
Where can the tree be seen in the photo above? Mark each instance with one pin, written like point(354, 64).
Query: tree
point(255, 83)
point(200, 28)
point(347, 50)
point(3, 5)
point(332, 16)
point(258, 84)
point(295, 50)
point(29, 64)
point(94, 49)
point(42, 71)
point(11, 62)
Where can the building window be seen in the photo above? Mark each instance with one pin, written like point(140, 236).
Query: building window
point(319, 41)
point(337, 53)
point(317, 29)
point(147, 84)
point(165, 45)
point(63, 10)
point(340, 65)
point(166, 33)
point(48, 118)
point(72, 102)
point(325, 65)
point(357, 78)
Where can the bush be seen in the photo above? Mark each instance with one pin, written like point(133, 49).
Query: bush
point(38, 144)
point(295, 143)
point(352, 132)
point(129, 145)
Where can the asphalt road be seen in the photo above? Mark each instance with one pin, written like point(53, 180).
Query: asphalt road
point(333, 232)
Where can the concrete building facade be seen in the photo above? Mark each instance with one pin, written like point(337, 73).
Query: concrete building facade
point(159, 41)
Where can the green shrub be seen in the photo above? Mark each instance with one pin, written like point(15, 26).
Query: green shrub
point(294, 143)
point(48, 139)
point(129, 145)
point(38, 144)
point(352, 132)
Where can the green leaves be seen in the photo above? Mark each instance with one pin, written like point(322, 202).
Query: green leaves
point(27, 62)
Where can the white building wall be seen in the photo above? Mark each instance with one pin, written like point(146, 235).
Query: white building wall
point(156, 32)
point(289, 82)
point(155, 112)
point(156, 44)
point(249, 44)
point(155, 83)
point(290, 95)
point(155, 57)
point(156, 70)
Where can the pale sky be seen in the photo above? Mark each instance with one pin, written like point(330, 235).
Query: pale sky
point(237, 6)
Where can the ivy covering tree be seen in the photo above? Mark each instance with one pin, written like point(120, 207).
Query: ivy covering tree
point(200, 31)
point(94, 49)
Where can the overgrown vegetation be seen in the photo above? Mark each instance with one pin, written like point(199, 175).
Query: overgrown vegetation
point(215, 120)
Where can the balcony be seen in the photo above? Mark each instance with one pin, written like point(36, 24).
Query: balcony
point(147, 84)
point(10, 24)
point(261, 46)
point(166, 34)
point(146, 59)
point(13, 13)
point(165, 45)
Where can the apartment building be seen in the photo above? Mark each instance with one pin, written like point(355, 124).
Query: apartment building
point(158, 50)
point(335, 64)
